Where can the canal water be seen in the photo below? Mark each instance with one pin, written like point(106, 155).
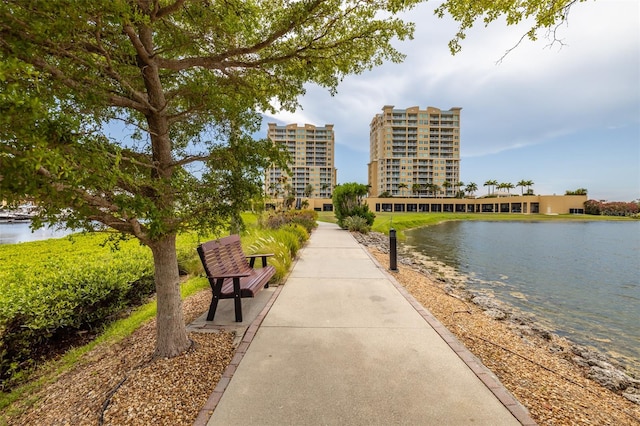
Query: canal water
point(581, 278)
point(20, 232)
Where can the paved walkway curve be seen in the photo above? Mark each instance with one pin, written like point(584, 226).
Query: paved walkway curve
point(342, 343)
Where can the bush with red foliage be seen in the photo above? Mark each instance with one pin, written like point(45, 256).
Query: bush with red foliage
point(614, 208)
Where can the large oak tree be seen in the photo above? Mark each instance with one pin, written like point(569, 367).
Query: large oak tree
point(188, 77)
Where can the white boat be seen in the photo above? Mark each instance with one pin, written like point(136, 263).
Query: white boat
point(24, 213)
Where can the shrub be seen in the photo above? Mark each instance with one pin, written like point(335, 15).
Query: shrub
point(348, 200)
point(275, 220)
point(284, 243)
point(357, 224)
point(281, 259)
point(593, 207)
point(579, 191)
point(188, 260)
point(52, 289)
point(364, 213)
point(298, 230)
point(614, 208)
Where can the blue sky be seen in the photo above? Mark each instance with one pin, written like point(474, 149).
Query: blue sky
point(564, 116)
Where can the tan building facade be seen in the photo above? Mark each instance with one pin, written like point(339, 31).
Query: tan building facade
point(414, 151)
point(312, 161)
point(527, 204)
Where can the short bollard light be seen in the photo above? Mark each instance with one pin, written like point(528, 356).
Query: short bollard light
point(393, 250)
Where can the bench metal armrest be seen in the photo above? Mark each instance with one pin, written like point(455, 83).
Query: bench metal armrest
point(252, 258)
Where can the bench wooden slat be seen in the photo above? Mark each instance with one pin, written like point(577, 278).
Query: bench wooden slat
point(230, 274)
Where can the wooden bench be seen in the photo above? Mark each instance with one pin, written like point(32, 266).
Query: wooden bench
point(231, 273)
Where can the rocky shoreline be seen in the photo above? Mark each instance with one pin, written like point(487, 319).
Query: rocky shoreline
point(595, 365)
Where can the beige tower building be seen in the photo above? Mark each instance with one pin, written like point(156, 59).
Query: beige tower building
point(414, 151)
point(312, 161)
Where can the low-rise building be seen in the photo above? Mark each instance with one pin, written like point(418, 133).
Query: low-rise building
point(527, 204)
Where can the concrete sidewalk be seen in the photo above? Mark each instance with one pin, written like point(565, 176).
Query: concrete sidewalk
point(342, 343)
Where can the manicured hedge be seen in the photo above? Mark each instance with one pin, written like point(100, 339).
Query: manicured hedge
point(51, 288)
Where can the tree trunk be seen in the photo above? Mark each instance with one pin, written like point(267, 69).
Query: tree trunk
point(171, 332)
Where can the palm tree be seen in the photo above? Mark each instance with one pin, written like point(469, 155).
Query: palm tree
point(459, 192)
point(522, 184)
point(415, 188)
point(490, 184)
point(324, 187)
point(308, 190)
point(446, 185)
point(471, 188)
point(435, 188)
point(426, 187)
point(290, 196)
point(402, 186)
point(529, 184)
point(506, 185)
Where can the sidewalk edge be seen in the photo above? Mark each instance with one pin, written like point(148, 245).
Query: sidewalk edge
point(487, 377)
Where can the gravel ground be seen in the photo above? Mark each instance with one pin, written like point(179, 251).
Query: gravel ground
point(120, 384)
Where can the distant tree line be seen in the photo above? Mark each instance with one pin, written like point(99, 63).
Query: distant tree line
point(459, 189)
point(579, 191)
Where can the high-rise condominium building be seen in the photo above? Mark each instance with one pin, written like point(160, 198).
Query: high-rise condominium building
point(312, 161)
point(415, 151)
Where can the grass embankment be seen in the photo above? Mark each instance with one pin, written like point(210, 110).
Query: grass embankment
point(55, 290)
point(113, 333)
point(59, 278)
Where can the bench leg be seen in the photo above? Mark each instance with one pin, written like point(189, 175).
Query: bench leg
point(215, 290)
point(236, 299)
point(238, 304)
point(212, 308)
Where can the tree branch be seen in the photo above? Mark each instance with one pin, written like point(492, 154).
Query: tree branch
point(103, 210)
point(191, 159)
point(531, 33)
point(161, 12)
point(139, 102)
point(219, 61)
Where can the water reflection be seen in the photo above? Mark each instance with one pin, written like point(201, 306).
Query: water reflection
point(583, 277)
point(12, 233)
